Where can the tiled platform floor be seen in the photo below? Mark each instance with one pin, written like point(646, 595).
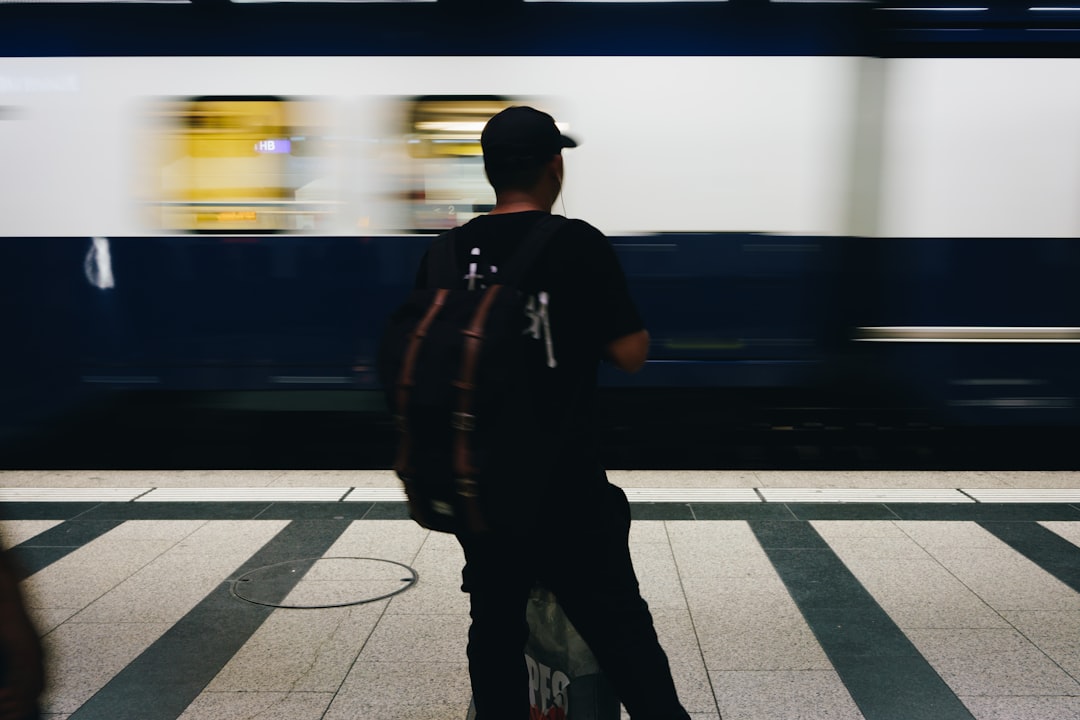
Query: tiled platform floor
point(790, 597)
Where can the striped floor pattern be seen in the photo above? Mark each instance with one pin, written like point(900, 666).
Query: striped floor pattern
point(875, 604)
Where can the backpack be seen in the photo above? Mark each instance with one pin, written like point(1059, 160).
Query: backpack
point(455, 365)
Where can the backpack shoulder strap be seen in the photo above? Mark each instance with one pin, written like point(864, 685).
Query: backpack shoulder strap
point(534, 243)
point(442, 267)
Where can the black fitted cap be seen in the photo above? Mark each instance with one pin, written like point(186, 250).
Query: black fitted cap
point(522, 135)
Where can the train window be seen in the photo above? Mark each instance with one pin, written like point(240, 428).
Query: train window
point(448, 185)
point(226, 164)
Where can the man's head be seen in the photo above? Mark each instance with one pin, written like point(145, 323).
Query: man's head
point(519, 144)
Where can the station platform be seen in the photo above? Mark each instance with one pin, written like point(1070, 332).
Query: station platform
point(293, 595)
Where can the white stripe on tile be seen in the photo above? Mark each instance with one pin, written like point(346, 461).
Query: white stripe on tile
point(92, 494)
point(701, 495)
point(375, 495)
point(1026, 495)
point(244, 494)
point(852, 495)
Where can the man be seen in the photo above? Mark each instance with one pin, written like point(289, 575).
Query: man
point(581, 550)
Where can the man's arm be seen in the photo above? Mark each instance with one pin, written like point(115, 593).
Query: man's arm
point(629, 352)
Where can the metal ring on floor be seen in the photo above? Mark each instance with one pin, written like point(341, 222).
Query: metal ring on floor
point(303, 566)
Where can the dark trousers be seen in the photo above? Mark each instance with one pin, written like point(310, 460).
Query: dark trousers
point(586, 564)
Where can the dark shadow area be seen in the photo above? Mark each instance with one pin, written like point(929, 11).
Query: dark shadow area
point(637, 430)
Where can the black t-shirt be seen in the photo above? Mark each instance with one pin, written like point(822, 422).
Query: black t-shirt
point(589, 305)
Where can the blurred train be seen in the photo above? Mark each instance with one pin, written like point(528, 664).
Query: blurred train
point(815, 220)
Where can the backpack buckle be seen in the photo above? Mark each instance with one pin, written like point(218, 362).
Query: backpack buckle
point(463, 421)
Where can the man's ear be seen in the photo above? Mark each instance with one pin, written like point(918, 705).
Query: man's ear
point(557, 166)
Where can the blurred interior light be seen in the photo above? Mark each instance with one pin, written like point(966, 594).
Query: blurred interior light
point(468, 128)
point(454, 126)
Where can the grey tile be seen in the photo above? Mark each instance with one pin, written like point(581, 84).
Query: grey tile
point(13, 532)
point(1006, 580)
point(168, 587)
point(718, 549)
point(430, 597)
point(47, 619)
point(1055, 633)
point(1041, 546)
point(418, 639)
point(438, 588)
point(1068, 530)
point(174, 530)
point(683, 478)
point(243, 705)
point(648, 531)
point(21, 478)
point(945, 614)
point(402, 689)
point(919, 592)
point(83, 657)
point(344, 569)
point(872, 479)
point(398, 540)
point(751, 598)
point(344, 709)
point(1023, 708)
point(336, 478)
point(1034, 479)
point(162, 681)
point(299, 650)
point(783, 695)
point(28, 561)
point(236, 538)
point(992, 662)
point(157, 478)
point(899, 688)
point(337, 593)
point(783, 642)
point(165, 595)
point(677, 636)
point(83, 576)
point(878, 548)
point(658, 576)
